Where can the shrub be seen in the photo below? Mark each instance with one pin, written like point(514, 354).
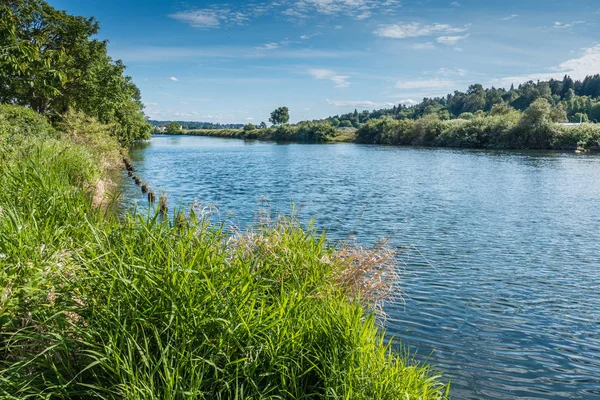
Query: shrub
point(85, 130)
point(23, 122)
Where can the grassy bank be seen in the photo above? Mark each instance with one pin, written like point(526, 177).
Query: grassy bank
point(93, 305)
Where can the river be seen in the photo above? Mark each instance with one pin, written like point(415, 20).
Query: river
point(499, 251)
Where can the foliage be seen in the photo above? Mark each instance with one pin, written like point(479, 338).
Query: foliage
point(82, 129)
point(49, 62)
point(18, 122)
point(565, 96)
point(280, 116)
point(503, 128)
point(144, 307)
point(249, 127)
point(173, 128)
point(190, 125)
point(307, 132)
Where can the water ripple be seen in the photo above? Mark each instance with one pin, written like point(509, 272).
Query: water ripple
point(499, 251)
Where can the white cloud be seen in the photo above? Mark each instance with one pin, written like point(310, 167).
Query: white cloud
point(340, 81)
point(249, 119)
point(169, 54)
point(273, 45)
point(409, 102)
point(300, 10)
point(216, 16)
point(451, 72)
point(423, 46)
point(358, 103)
point(560, 25)
point(451, 40)
point(425, 84)
point(269, 46)
point(455, 4)
point(366, 104)
point(363, 15)
point(576, 68)
point(198, 18)
point(305, 37)
point(174, 79)
point(513, 16)
point(415, 29)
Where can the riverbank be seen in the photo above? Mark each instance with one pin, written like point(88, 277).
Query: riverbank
point(505, 129)
point(100, 305)
point(304, 133)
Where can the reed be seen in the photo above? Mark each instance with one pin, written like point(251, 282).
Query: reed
point(163, 203)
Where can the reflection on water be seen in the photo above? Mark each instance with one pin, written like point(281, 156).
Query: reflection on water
point(501, 278)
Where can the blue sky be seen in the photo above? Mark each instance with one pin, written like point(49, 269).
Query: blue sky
point(236, 61)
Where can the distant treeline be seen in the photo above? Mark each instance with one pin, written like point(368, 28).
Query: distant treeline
point(196, 125)
point(580, 101)
point(306, 132)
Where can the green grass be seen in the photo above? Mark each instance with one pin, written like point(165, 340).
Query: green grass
point(95, 305)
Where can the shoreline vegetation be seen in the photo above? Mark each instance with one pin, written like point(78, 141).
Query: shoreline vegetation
point(502, 128)
point(99, 304)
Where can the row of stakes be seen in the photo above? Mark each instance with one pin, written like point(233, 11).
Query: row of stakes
point(162, 201)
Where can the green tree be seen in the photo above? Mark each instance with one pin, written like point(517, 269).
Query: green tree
point(262, 125)
point(280, 116)
point(249, 127)
point(50, 62)
point(594, 113)
point(173, 128)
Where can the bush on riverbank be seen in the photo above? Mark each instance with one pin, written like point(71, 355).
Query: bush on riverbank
point(97, 306)
point(304, 132)
point(533, 129)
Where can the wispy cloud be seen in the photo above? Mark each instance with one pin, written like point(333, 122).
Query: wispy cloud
point(199, 18)
point(340, 81)
point(513, 16)
point(174, 79)
point(561, 25)
point(576, 68)
point(217, 16)
point(367, 104)
point(451, 40)
point(451, 72)
point(274, 45)
point(415, 29)
point(425, 84)
point(169, 54)
point(455, 4)
point(423, 46)
point(357, 9)
point(358, 103)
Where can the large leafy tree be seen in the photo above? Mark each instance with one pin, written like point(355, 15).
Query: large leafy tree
point(280, 116)
point(49, 62)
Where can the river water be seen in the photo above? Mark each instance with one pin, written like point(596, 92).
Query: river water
point(499, 250)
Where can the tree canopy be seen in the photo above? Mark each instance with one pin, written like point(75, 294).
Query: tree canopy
point(573, 100)
point(50, 63)
point(280, 116)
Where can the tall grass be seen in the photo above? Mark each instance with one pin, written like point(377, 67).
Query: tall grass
point(93, 305)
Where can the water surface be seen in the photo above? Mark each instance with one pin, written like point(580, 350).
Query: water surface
point(501, 277)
